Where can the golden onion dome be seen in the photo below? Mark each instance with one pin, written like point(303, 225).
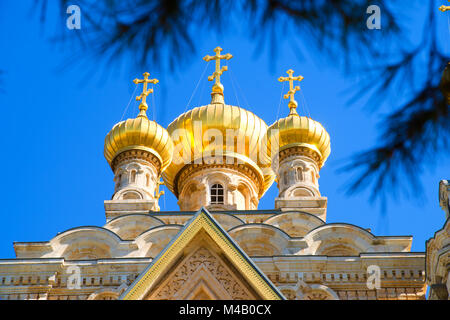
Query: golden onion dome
point(140, 134)
point(297, 131)
point(188, 133)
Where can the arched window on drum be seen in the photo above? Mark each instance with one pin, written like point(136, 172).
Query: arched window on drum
point(217, 194)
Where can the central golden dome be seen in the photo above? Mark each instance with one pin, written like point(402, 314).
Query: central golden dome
point(188, 134)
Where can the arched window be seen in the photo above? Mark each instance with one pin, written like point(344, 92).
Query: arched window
point(217, 194)
point(147, 180)
point(133, 176)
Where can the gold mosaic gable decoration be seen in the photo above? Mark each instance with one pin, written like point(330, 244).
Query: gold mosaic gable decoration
point(201, 222)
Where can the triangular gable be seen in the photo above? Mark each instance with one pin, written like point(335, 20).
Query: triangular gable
point(202, 223)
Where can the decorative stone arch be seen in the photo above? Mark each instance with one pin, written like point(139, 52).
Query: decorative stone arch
point(289, 292)
point(136, 166)
point(129, 194)
point(318, 292)
point(304, 167)
point(131, 170)
point(198, 193)
point(293, 291)
point(299, 177)
point(301, 191)
point(266, 240)
point(218, 177)
point(249, 193)
point(107, 293)
point(128, 227)
point(136, 176)
point(339, 250)
point(135, 186)
point(339, 240)
point(295, 223)
point(299, 167)
point(153, 241)
point(87, 243)
point(227, 221)
point(304, 291)
point(243, 191)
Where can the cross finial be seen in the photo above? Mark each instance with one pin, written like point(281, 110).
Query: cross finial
point(444, 8)
point(143, 96)
point(292, 90)
point(217, 89)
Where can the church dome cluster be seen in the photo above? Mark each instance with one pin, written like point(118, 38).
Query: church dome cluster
point(217, 155)
point(218, 160)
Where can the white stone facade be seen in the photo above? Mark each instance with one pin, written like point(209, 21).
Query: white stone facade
point(301, 254)
point(298, 182)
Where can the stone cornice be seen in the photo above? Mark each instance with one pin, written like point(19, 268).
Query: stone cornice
point(297, 150)
point(136, 155)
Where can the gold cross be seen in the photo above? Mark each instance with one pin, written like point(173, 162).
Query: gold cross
point(292, 90)
point(143, 96)
point(217, 87)
point(444, 8)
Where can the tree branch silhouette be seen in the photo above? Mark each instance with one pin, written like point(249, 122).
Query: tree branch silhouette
point(416, 133)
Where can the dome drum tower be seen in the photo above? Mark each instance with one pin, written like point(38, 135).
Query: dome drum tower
point(138, 150)
point(303, 146)
point(297, 178)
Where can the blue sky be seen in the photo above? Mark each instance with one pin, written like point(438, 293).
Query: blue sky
point(55, 120)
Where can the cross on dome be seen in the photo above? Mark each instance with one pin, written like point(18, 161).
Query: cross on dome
point(143, 96)
point(217, 89)
point(292, 90)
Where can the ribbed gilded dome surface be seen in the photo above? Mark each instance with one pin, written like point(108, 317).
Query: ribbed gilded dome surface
point(295, 130)
point(140, 133)
point(220, 118)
